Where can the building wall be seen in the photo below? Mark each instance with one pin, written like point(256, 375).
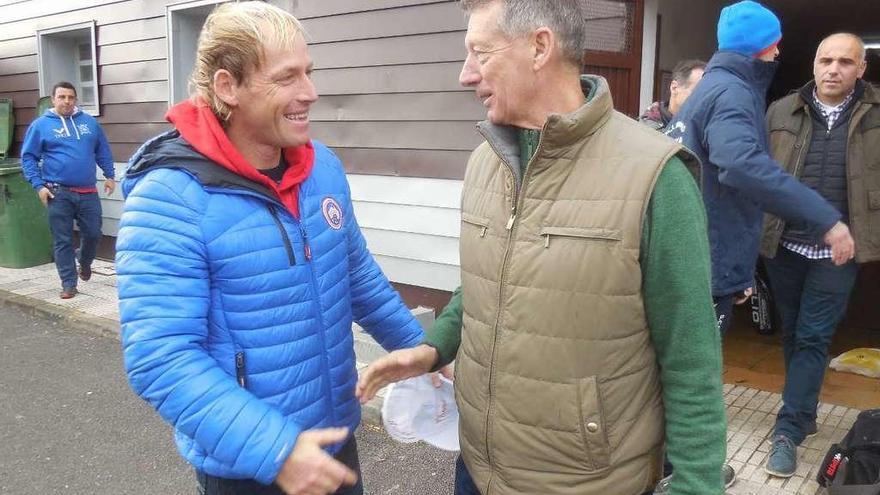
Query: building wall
point(391, 107)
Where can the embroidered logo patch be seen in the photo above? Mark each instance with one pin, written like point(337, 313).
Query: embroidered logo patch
point(332, 213)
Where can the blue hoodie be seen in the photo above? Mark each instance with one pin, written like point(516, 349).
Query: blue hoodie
point(69, 148)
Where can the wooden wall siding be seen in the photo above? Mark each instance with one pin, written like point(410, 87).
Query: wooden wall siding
point(315, 8)
point(390, 79)
point(411, 20)
point(436, 164)
point(411, 226)
point(103, 12)
point(387, 71)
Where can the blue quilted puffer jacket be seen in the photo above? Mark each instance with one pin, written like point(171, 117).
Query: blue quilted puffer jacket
point(236, 316)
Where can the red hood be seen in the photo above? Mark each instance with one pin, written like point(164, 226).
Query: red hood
point(200, 128)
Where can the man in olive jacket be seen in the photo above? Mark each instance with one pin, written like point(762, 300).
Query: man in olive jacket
point(827, 135)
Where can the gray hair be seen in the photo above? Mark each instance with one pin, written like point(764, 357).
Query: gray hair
point(565, 18)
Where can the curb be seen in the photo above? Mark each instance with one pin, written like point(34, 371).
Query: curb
point(371, 412)
point(104, 327)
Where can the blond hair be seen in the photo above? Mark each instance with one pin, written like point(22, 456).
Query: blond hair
point(234, 38)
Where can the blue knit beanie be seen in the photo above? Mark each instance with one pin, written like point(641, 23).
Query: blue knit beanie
point(748, 28)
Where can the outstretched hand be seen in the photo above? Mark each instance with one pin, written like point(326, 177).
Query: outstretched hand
point(396, 366)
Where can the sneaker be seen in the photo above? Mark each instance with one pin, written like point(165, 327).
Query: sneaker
point(782, 461)
point(68, 292)
point(728, 475)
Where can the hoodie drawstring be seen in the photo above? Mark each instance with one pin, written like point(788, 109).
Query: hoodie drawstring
point(73, 124)
point(65, 125)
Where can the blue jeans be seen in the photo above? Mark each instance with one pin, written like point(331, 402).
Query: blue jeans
point(464, 484)
point(212, 485)
point(811, 298)
point(64, 208)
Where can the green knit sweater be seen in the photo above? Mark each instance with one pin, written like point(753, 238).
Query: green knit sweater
point(676, 289)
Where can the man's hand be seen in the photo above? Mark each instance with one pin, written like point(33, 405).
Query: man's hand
point(109, 186)
point(843, 247)
point(396, 366)
point(447, 371)
point(45, 195)
point(311, 471)
point(743, 296)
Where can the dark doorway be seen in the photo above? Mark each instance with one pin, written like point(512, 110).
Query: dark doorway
point(614, 40)
point(806, 23)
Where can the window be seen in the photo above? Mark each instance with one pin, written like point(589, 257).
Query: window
point(68, 54)
point(610, 25)
point(185, 22)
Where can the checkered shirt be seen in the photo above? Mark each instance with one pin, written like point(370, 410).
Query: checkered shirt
point(815, 251)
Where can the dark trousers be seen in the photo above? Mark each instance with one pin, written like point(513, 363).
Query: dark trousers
point(811, 298)
point(723, 312)
point(85, 209)
point(464, 484)
point(212, 485)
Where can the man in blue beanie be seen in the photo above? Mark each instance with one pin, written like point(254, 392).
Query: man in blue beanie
point(723, 123)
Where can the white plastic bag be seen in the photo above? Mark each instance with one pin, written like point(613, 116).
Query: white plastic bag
point(415, 410)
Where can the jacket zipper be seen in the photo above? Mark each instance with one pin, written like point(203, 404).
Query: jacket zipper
point(328, 391)
point(287, 245)
point(314, 283)
point(240, 369)
point(306, 248)
point(516, 196)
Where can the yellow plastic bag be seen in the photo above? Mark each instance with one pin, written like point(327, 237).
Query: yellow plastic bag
point(863, 361)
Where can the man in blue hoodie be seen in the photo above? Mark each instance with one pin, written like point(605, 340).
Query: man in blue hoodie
point(723, 124)
point(58, 157)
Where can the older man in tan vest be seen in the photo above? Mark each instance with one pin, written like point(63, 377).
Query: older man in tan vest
point(588, 340)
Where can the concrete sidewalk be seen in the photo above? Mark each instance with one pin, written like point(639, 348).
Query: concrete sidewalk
point(750, 412)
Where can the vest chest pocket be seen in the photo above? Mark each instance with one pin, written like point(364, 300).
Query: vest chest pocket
point(480, 223)
point(585, 233)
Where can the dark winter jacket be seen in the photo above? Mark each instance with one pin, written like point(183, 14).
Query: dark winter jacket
point(722, 122)
point(791, 130)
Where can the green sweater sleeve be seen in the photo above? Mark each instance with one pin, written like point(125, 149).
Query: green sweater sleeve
point(678, 304)
point(445, 334)
point(676, 287)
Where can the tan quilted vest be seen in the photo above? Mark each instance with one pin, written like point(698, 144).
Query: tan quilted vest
point(558, 385)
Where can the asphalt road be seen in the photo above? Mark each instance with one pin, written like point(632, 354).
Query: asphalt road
point(70, 424)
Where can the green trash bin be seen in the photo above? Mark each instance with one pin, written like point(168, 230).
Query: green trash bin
point(24, 222)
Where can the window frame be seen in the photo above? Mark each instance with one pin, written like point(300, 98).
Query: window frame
point(46, 86)
point(170, 11)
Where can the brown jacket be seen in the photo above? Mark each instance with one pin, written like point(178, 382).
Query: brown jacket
point(560, 389)
point(791, 129)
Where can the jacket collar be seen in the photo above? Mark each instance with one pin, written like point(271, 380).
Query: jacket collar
point(560, 130)
point(865, 93)
point(753, 71)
